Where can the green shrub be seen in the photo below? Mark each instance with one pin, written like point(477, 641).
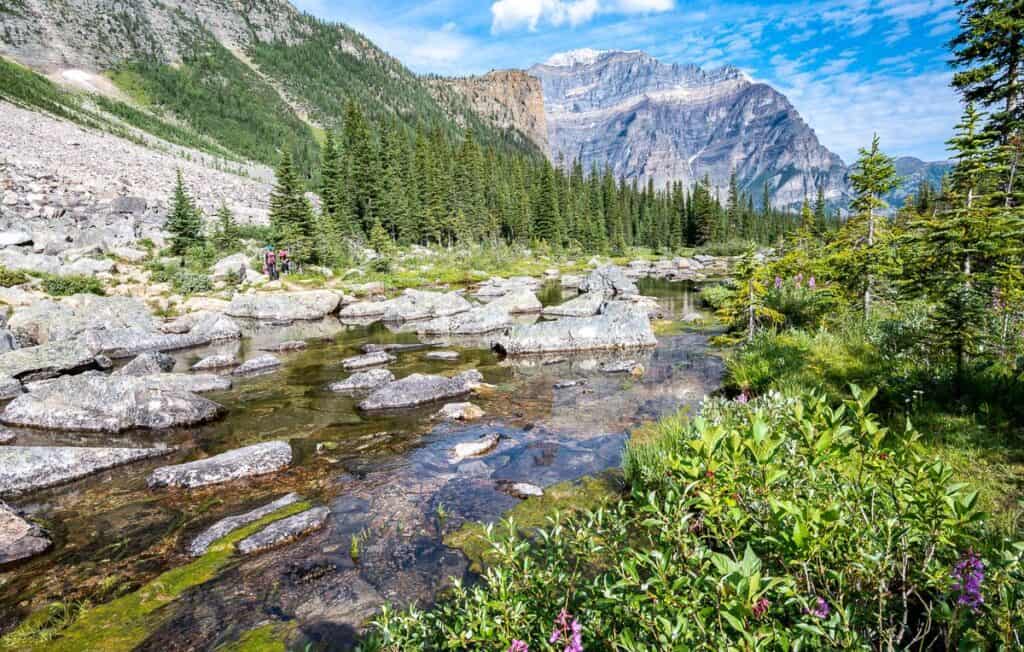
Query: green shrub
point(717, 295)
point(11, 277)
point(182, 279)
point(776, 525)
point(66, 286)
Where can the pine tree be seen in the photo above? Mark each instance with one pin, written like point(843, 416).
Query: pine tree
point(226, 235)
point(873, 177)
point(546, 223)
point(184, 222)
point(820, 210)
point(291, 216)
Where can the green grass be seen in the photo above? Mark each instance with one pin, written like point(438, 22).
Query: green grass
point(124, 623)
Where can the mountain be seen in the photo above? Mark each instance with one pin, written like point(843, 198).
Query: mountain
point(664, 122)
point(912, 172)
point(252, 76)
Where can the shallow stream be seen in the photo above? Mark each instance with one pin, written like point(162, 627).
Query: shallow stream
point(383, 476)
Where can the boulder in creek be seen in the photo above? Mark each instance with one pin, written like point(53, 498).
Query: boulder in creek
point(48, 321)
point(443, 356)
point(284, 347)
point(363, 310)
point(285, 306)
point(392, 348)
point(216, 362)
point(226, 526)
point(475, 448)
point(30, 468)
point(585, 305)
point(609, 281)
point(285, 530)
point(460, 412)
point(623, 367)
point(257, 365)
point(363, 380)
point(259, 459)
point(420, 389)
point(522, 490)
point(48, 360)
point(518, 301)
point(367, 360)
point(19, 539)
point(148, 364)
point(195, 383)
point(620, 326)
point(485, 319)
point(99, 403)
point(414, 305)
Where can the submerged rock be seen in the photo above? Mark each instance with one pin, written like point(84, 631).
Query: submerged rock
point(368, 360)
point(216, 362)
point(48, 360)
point(259, 459)
point(631, 367)
point(148, 364)
point(364, 380)
point(19, 539)
point(285, 530)
point(444, 356)
point(292, 345)
point(257, 365)
point(196, 383)
point(100, 403)
point(609, 281)
point(475, 448)
point(419, 389)
point(619, 327)
point(285, 307)
point(226, 526)
point(585, 305)
point(392, 348)
point(29, 468)
point(486, 319)
point(460, 412)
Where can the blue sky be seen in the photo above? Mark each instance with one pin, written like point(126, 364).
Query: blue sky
point(851, 67)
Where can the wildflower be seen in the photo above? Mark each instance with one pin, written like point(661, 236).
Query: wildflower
point(743, 398)
point(799, 279)
point(821, 608)
point(812, 283)
point(778, 282)
point(569, 631)
point(518, 646)
point(968, 576)
point(761, 607)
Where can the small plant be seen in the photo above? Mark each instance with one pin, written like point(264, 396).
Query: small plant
point(11, 277)
point(353, 549)
point(442, 513)
point(65, 286)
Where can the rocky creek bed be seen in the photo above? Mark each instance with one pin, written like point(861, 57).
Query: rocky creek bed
point(386, 478)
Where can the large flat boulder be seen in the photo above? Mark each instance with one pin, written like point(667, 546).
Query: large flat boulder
point(619, 327)
point(259, 459)
point(47, 321)
point(29, 468)
point(367, 360)
point(362, 381)
point(585, 305)
point(414, 305)
point(285, 530)
point(518, 301)
point(610, 281)
point(258, 365)
point(100, 403)
point(226, 526)
point(148, 364)
point(228, 267)
point(195, 383)
point(285, 307)
point(363, 310)
point(9, 387)
point(48, 360)
point(16, 259)
point(129, 342)
point(14, 238)
point(19, 539)
point(485, 319)
point(499, 287)
point(420, 389)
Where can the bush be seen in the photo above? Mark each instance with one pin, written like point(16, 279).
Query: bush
point(183, 280)
point(66, 286)
point(779, 524)
point(717, 295)
point(10, 277)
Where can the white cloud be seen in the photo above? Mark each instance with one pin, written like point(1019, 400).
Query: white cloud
point(509, 15)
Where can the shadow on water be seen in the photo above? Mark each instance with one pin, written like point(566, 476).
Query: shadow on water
point(385, 477)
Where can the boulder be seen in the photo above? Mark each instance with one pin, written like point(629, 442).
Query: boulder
point(19, 539)
point(414, 305)
point(285, 307)
point(257, 365)
point(364, 380)
point(419, 389)
point(7, 341)
point(392, 348)
point(195, 383)
point(444, 356)
point(99, 403)
point(282, 347)
point(89, 267)
point(47, 321)
point(650, 305)
point(619, 327)
point(216, 362)
point(129, 254)
point(6, 436)
point(475, 448)
point(368, 360)
point(285, 530)
point(30, 468)
point(259, 459)
point(585, 305)
point(9, 387)
point(363, 310)
point(518, 301)
point(460, 412)
point(14, 239)
point(227, 268)
point(610, 281)
point(48, 360)
point(623, 367)
point(25, 261)
point(499, 287)
point(522, 490)
point(226, 526)
point(571, 281)
point(148, 364)
point(485, 319)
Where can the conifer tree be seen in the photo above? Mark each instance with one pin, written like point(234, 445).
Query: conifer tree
point(874, 176)
point(546, 224)
point(291, 216)
point(226, 236)
point(184, 222)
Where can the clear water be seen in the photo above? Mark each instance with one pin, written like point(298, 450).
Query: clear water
point(383, 477)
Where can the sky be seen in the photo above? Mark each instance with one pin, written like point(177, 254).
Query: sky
point(852, 68)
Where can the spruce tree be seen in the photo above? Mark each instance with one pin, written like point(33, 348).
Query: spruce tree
point(874, 176)
point(226, 235)
point(546, 223)
point(184, 222)
point(291, 216)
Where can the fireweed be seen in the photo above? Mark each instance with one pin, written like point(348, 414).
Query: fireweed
point(746, 528)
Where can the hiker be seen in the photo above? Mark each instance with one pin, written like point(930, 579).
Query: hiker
point(241, 274)
point(284, 261)
point(270, 264)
